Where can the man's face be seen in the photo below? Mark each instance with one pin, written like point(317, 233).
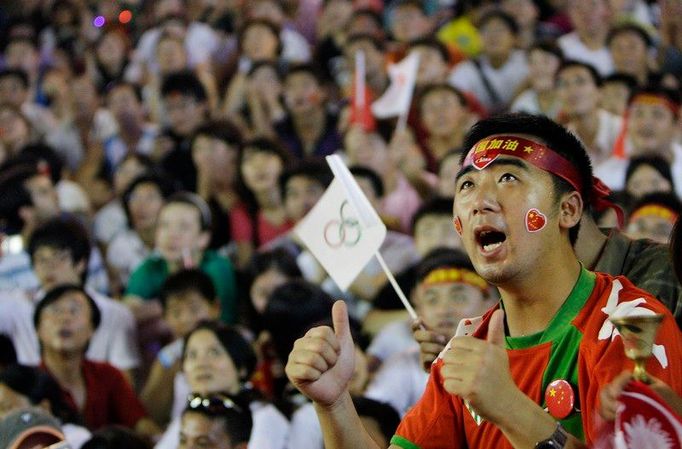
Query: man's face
point(589, 16)
point(432, 67)
point(578, 92)
point(651, 227)
point(629, 52)
point(302, 93)
point(498, 40)
point(185, 310)
point(614, 97)
point(55, 266)
point(435, 231)
point(185, 113)
point(44, 198)
point(179, 232)
point(542, 66)
point(645, 180)
point(492, 205)
point(259, 43)
point(442, 113)
point(215, 159)
point(651, 128)
point(65, 324)
point(12, 91)
point(22, 55)
point(409, 23)
point(301, 193)
point(123, 102)
point(144, 205)
point(198, 431)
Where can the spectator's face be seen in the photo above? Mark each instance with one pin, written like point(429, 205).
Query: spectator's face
point(262, 287)
point(123, 103)
point(187, 309)
point(10, 400)
point(629, 53)
point(171, 56)
point(267, 81)
point(650, 226)
point(525, 12)
point(145, 204)
point(260, 170)
point(44, 198)
point(208, 366)
point(85, 97)
point(267, 10)
point(651, 128)
point(364, 24)
point(446, 175)
point(614, 97)
point(442, 113)
point(12, 91)
point(55, 266)
point(301, 193)
point(590, 16)
point(578, 92)
point(215, 159)
point(497, 39)
point(198, 431)
point(432, 67)
point(409, 23)
point(302, 93)
point(645, 180)
point(374, 59)
point(111, 51)
point(542, 66)
point(22, 55)
point(14, 130)
point(185, 113)
point(260, 43)
point(65, 324)
point(179, 232)
point(442, 305)
point(367, 149)
point(129, 169)
point(435, 231)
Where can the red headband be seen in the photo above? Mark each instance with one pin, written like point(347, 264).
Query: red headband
point(487, 150)
point(656, 99)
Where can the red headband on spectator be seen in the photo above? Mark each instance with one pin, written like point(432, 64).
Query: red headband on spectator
point(543, 157)
point(649, 98)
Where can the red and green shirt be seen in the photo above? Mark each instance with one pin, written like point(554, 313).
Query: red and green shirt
point(579, 346)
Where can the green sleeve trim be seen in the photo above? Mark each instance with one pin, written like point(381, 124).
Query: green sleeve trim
point(403, 442)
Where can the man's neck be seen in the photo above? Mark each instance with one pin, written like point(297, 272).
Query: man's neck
point(531, 304)
point(590, 242)
point(497, 61)
point(309, 127)
point(65, 367)
point(594, 40)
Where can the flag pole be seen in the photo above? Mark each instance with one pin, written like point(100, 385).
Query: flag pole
point(402, 120)
point(396, 287)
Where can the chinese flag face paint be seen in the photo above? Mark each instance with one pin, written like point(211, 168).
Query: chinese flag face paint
point(458, 225)
point(535, 220)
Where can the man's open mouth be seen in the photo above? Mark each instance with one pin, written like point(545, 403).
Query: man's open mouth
point(490, 239)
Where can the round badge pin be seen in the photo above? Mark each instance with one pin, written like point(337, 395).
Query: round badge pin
point(560, 398)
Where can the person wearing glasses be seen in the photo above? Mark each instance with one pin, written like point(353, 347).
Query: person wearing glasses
point(215, 421)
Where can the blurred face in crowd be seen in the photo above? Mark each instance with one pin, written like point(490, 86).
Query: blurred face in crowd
point(374, 58)
point(302, 93)
point(85, 97)
point(301, 193)
point(442, 112)
point(447, 172)
point(12, 91)
point(208, 366)
point(171, 55)
point(497, 39)
point(185, 310)
point(267, 10)
point(542, 66)
point(525, 12)
point(44, 198)
point(127, 171)
point(578, 92)
point(259, 43)
point(651, 128)
point(55, 266)
point(144, 205)
point(645, 224)
point(179, 232)
point(364, 24)
point(215, 159)
point(15, 131)
point(184, 112)
point(590, 16)
point(21, 54)
point(409, 23)
point(260, 170)
point(124, 104)
point(266, 81)
point(614, 97)
point(65, 325)
point(432, 67)
point(629, 53)
point(335, 15)
point(367, 149)
point(645, 180)
point(198, 431)
point(263, 285)
point(435, 231)
point(111, 50)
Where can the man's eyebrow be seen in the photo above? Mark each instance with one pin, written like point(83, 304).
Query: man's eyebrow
point(513, 161)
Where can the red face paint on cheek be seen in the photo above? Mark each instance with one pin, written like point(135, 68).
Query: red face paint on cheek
point(535, 220)
point(458, 225)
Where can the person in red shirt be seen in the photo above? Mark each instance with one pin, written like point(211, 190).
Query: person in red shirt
point(65, 321)
point(528, 373)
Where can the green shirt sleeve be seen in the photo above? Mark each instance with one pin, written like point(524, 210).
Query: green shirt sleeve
point(147, 279)
point(221, 272)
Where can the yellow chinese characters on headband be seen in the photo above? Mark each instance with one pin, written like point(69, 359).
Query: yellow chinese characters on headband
point(655, 210)
point(455, 275)
point(507, 144)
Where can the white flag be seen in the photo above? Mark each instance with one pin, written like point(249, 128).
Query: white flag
point(397, 98)
point(342, 231)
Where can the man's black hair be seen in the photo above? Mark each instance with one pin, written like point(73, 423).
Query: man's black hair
point(623, 78)
point(223, 130)
point(313, 169)
point(309, 69)
point(237, 423)
point(62, 234)
point(119, 83)
point(433, 87)
point(240, 350)
point(369, 13)
point(665, 199)
point(279, 259)
point(554, 136)
point(497, 14)
point(381, 412)
point(442, 258)
point(14, 195)
point(8, 355)
point(184, 83)
point(57, 293)
point(434, 44)
point(571, 63)
point(15, 73)
point(185, 281)
point(630, 27)
point(374, 179)
point(40, 153)
point(165, 186)
point(198, 203)
point(115, 437)
point(658, 163)
point(438, 205)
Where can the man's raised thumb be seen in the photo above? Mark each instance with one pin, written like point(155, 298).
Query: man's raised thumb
point(340, 320)
point(496, 328)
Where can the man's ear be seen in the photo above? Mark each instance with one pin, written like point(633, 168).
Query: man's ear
point(571, 209)
point(204, 239)
point(80, 267)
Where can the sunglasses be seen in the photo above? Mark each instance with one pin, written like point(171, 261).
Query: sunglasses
point(214, 403)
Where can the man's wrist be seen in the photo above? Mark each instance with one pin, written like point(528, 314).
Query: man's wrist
point(557, 440)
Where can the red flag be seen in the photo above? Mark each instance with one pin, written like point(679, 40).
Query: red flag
point(361, 112)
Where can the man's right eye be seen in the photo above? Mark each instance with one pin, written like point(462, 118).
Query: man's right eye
point(466, 185)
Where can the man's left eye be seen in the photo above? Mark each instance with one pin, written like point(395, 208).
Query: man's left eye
point(507, 177)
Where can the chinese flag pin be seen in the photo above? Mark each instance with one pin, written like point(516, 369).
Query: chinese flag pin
point(560, 398)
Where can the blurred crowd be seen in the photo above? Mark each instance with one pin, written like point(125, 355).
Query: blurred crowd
point(156, 157)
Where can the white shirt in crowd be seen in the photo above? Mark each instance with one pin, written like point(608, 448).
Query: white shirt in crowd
point(573, 48)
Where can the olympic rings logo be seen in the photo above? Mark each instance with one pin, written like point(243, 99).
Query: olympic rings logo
point(345, 231)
